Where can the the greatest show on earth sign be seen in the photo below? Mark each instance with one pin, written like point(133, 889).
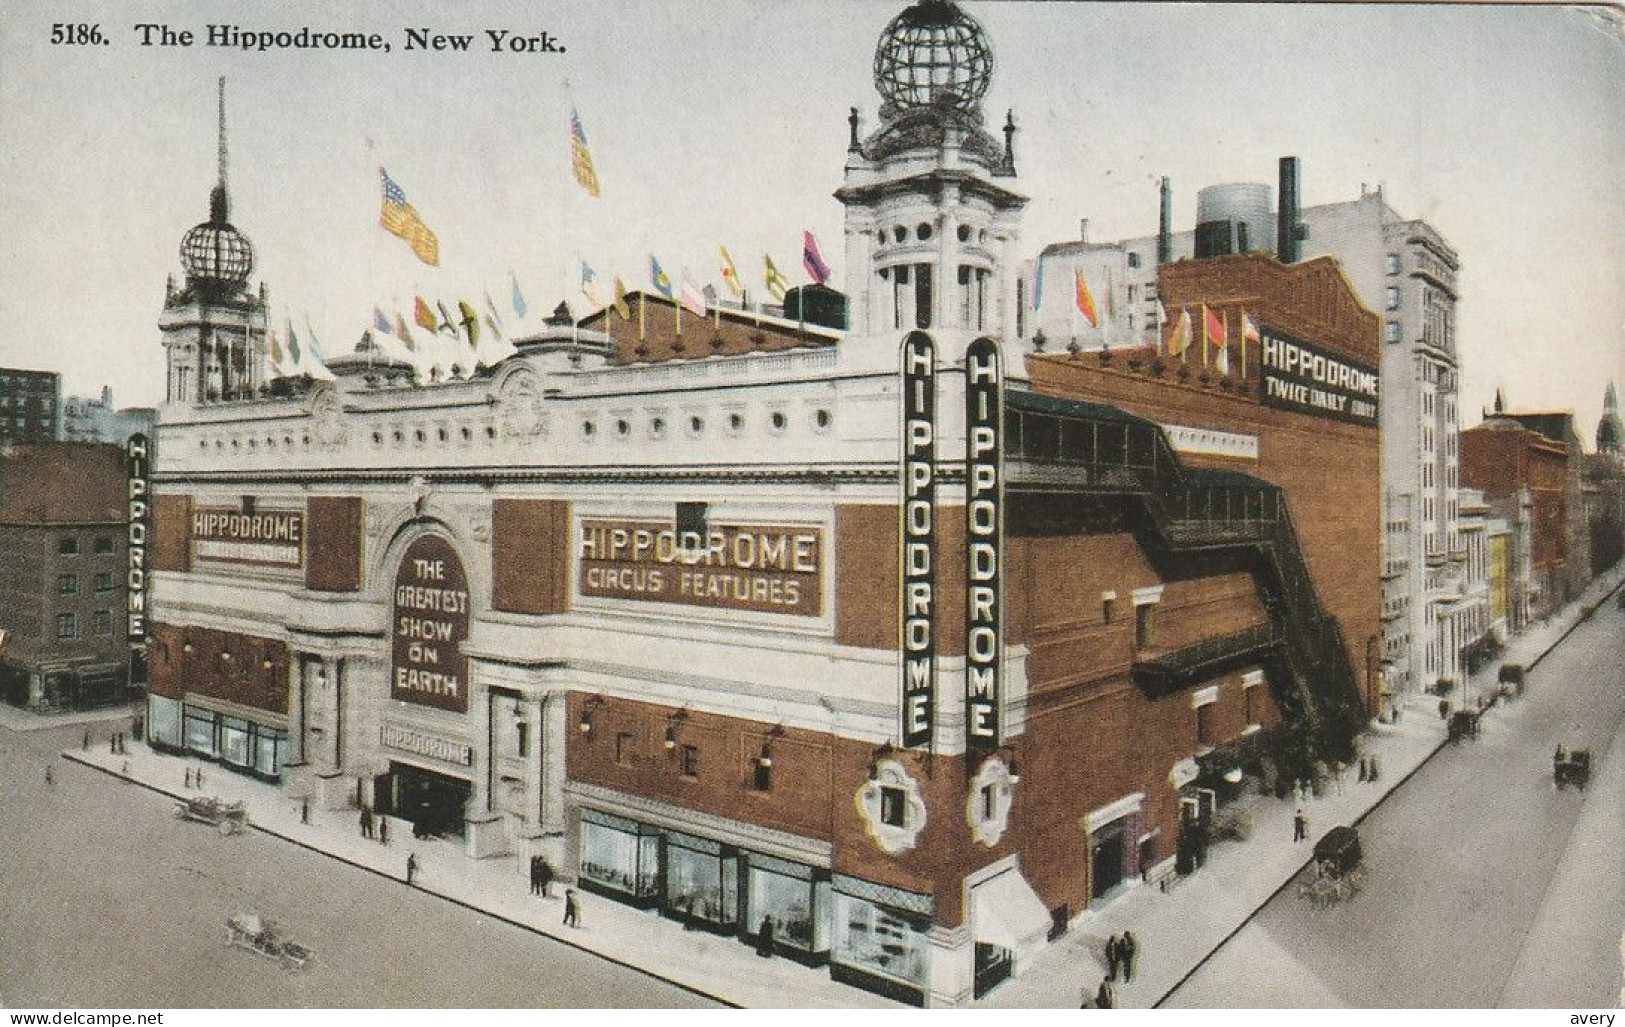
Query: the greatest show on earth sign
point(430, 622)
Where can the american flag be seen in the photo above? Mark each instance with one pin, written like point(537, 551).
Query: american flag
point(581, 157)
point(399, 218)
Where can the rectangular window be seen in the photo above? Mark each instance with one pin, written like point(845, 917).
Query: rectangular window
point(1108, 609)
point(1393, 297)
point(623, 748)
point(104, 622)
point(67, 625)
point(691, 761)
point(1249, 700)
point(892, 805)
point(691, 520)
point(1204, 724)
point(67, 584)
point(922, 295)
point(762, 774)
point(1393, 263)
point(1145, 634)
point(104, 581)
point(523, 732)
point(67, 546)
point(1391, 331)
point(104, 546)
point(1133, 261)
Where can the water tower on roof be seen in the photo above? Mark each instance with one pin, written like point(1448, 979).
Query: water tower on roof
point(932, 220)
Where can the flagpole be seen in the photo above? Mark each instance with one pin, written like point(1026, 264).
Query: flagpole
point(1204, 335)
point(640, 316)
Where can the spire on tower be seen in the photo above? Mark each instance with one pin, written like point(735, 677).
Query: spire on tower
point(219, 201)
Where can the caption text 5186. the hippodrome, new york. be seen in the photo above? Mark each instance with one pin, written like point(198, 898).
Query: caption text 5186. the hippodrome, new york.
point(418, 39)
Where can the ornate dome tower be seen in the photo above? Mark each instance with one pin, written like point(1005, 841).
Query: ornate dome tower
point(931, 222)
point(215, 328)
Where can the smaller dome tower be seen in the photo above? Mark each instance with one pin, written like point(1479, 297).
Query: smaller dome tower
point(214, 328)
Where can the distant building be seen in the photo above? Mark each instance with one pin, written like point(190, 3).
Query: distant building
point(96, 420)
point(1558, 426)
point(1504, 458)
point(1401, 268)
point(62, 572)
point(29, 405)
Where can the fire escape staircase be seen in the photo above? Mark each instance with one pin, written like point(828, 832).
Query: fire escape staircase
point(1180, 514)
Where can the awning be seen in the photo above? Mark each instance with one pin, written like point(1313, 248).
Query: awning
point(1005, 911)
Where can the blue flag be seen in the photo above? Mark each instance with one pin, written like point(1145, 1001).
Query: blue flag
point(658, 279)
point(518, 299)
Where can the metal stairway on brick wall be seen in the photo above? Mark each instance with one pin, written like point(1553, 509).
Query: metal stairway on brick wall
point(1191, 511)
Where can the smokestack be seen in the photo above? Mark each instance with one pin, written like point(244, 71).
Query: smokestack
point(1165, 244)
point(1287, 227)
point(1083, 229)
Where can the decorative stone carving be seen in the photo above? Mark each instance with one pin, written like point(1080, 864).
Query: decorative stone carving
point(521, 408)
point(328, 425)
point(876, 807)
point(987, 807)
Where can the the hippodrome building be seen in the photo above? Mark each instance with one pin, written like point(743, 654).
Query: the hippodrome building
point(909, 641)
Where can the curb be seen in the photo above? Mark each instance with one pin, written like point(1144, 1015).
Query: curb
point(1384, 797)
point(73, 757)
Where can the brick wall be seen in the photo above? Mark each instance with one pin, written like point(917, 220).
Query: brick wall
point(531, 550)
point(256, 674)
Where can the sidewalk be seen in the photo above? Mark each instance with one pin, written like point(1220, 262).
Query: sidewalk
point(719, 968)
point(14, 719)
point(1179, 929)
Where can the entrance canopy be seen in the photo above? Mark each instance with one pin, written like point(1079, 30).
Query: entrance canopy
point(1005, 911)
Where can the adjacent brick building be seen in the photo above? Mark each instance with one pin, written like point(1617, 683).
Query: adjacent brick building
point(63, 570)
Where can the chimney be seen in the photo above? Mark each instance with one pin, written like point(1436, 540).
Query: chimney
point(1287, 227)
point(1083, 229)
point(1165, 244)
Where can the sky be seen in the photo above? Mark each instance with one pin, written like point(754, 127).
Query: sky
point(726, 123)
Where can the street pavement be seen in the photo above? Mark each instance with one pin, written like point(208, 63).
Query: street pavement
point(108, 900)
point(1487, 886)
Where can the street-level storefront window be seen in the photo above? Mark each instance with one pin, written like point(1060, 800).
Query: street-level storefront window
point(234, 741)
point(163, 722)
point(620, 856)
point(271, 750)
point(200, 736)
point(794, 898)
point(702, 880)
point(880, 938)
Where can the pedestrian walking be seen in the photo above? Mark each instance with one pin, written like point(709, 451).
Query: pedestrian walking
point(198, 777)
point(546, 875)
point(1112, 955)
point(188, 777)
point(112, 745)
point(1363, 775)
point(572, 910)
point(1105, 997)
point(366, 822)
point(1337, 775)
point(126, 768)
point(85, 745)
point(1373, 774)
point(411, 867)
point(304, 810)
point(1126, 948)
point(1300, 826)
point(50, 779)
point(383, 830)
point(535, 875)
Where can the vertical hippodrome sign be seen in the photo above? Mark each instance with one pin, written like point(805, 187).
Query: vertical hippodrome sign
point(984, 544)
point(137, 464)
point(917, 537)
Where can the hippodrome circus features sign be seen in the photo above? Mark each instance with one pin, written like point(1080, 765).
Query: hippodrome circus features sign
point(270, 538)
point(755, 567)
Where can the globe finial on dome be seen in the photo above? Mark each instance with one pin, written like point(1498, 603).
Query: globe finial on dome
point(215, 252)
point(933, 53)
